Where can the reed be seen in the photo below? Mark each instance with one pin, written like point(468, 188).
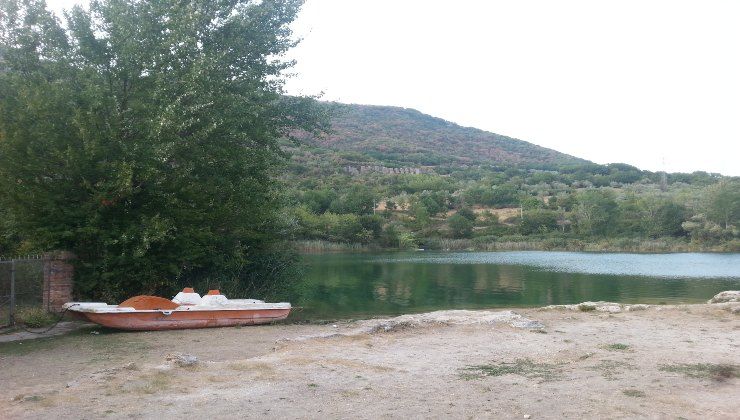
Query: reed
point(326, 246)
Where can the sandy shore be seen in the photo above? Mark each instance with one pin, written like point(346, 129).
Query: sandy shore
point(655, 362)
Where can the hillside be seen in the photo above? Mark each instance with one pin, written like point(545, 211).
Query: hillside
point(393, 136)
point(396, 178)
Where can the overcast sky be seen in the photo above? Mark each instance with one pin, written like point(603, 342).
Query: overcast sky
point(652, 83)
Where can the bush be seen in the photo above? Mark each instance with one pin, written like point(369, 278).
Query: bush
point(538, 221)
point(34, 317)
point(460, 226)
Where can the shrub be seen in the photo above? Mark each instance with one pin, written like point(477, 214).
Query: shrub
point(34, 317)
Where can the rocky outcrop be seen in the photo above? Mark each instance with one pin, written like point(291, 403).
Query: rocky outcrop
point(453, 317)
point(726, 296)
point(600, 306)
point(366, 169)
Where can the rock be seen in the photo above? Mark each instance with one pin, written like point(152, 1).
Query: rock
point(600, 306)
point(726, 296)
point(438, 318)
point(612, 309)
point(182, 360)
point(528, 324)
point(186, 360)
point(131, 366)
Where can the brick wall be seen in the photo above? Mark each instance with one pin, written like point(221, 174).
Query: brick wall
point(58, 279)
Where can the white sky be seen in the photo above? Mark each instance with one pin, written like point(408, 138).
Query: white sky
point(652, 83)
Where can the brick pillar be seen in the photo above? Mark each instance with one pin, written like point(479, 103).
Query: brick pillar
point(58, 279)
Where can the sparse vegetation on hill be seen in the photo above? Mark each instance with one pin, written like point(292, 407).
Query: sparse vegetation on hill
point(402, 137)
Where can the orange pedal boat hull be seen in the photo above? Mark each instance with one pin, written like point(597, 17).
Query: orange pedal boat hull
point(175, 320)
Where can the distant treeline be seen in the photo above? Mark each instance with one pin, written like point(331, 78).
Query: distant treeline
point(547, 206)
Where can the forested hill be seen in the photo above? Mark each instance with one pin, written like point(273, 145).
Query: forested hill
point(396, 178)
point(396, 136)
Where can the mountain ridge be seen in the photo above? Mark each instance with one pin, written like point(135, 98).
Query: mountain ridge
point(395, 136)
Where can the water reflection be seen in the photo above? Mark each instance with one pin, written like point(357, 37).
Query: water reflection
point(359, 285)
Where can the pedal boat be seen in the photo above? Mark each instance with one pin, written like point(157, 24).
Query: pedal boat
point(186, 310)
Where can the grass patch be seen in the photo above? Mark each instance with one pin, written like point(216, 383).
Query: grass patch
point(149, 384)
point(616, 347)
point(260, 370)
point(634, 393)
point(611, 368)
point(35, 317)
point(102, 346)
point(27, 398)
point(521, 367)
point(717, 372)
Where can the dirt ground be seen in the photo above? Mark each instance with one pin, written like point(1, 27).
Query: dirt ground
point(659, 362)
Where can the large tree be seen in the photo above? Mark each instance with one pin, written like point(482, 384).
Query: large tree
point(596, 212)
point(723, 203)
point(143, 135)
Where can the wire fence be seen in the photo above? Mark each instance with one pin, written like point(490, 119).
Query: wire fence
point(21, 286)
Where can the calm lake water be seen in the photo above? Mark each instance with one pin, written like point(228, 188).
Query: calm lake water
point(340, 286)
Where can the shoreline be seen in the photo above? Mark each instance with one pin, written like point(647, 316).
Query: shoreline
point(67, 326)
point(316, 247)
point(596, 359)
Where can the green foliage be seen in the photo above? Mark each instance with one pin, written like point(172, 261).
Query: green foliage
point(34, 317)
point(358, 200)
point(544, 215)
point(434, 202)
point(723, 203)
point(423, 182)
point(421, 215)
point(634, 393)
point(521, 367)
point(530, 203)
point(651, 216)
point(718, 372)
point(144, 137)
point(668, 220)
point(147, 137)
point(617, 347)
point(595, 212)
point(538, 221)
point(503, 195)
point(566, 203)
point(460, 226)
point(705, 231)
point(319, 201)
point(407, 240)
point(467, 213)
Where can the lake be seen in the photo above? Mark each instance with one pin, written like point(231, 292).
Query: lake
point(338, 286)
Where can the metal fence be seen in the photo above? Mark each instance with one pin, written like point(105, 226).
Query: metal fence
point(21, 286)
